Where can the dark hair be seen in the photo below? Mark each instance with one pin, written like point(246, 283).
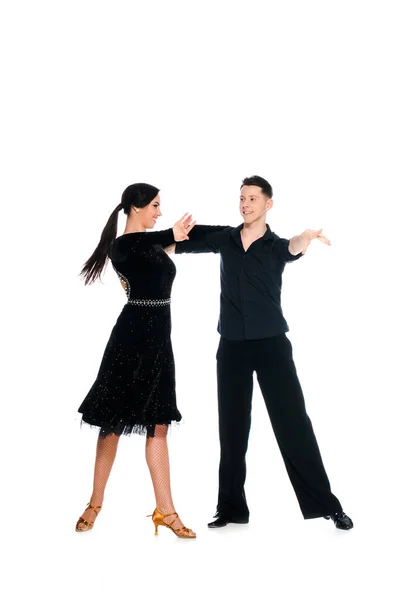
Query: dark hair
point(260, 182)
point(137, 194)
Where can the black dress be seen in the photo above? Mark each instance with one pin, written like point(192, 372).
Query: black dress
point(135, 388)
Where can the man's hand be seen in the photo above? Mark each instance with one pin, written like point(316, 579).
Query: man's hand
point(300, 243)
point(170, 249)
point(183, 227)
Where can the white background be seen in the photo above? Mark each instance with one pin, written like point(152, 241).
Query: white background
point(192, 97)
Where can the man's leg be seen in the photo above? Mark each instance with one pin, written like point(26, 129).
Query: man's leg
point(235, 388)
point(284, 399)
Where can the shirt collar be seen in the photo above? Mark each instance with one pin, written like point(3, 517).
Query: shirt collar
point(236, 234)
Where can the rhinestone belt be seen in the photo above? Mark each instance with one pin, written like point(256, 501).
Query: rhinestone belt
point(138, 302)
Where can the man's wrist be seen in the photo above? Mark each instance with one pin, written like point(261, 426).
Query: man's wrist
point(296, 244)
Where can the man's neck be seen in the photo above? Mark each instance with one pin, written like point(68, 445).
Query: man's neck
point(254, 230)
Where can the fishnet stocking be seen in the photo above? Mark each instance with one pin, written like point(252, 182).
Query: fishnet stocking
point(105, 455)
point(157, 459)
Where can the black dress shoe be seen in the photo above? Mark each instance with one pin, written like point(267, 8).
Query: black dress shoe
point(222, 521)
point(341, 520)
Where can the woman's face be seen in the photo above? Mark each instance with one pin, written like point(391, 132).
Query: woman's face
point(150, 213)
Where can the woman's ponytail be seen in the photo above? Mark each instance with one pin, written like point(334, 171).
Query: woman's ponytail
point(93, 267)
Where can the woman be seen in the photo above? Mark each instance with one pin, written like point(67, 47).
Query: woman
point(135, 388)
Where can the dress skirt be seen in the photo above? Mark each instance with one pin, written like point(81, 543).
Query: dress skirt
point(135, 387)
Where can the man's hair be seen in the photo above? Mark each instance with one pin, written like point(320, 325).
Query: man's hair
point(260, 182)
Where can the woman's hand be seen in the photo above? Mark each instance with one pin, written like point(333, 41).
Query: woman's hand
point(183, 227)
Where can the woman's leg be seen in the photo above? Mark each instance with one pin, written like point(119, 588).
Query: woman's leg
point(105, 456)
point(157, 459)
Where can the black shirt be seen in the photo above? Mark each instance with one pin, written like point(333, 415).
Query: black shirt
point(251, 281)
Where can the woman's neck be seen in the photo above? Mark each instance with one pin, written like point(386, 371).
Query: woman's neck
point(133, 225)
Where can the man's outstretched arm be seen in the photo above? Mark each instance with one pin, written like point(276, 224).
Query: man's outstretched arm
point(202, 238)
point(299, 243)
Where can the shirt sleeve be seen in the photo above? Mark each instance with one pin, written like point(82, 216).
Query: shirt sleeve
point(204, 238)
point(281, 249)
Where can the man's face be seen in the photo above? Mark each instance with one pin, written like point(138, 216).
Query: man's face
point(254, 205)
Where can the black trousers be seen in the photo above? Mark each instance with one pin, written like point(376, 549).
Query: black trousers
point(272, 360)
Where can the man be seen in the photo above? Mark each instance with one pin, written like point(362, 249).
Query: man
point(253, 338)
